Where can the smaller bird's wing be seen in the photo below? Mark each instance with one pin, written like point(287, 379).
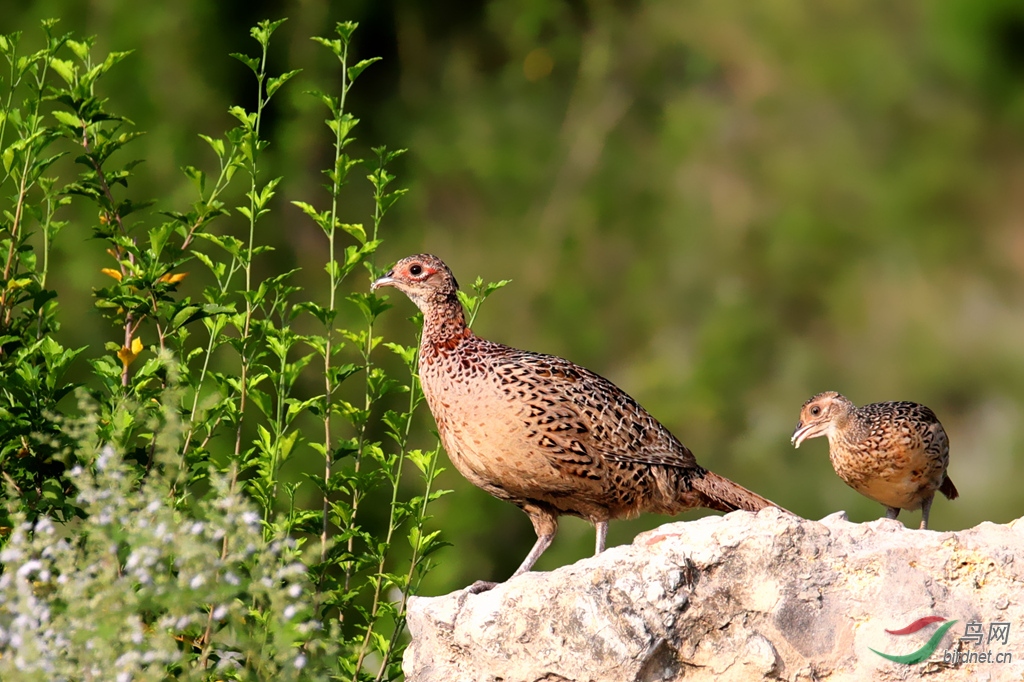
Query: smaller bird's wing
point(913, 421)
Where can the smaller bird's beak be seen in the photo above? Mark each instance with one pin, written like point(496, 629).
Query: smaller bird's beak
point(799, 434)
point(385, 281)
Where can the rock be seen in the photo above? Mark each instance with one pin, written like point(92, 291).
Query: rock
point(741, 597)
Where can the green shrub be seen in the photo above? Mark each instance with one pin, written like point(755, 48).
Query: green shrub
point(160, 525)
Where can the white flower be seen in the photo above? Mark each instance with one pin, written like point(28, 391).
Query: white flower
point(10, 555)
point(29, 567)
point(106, 454)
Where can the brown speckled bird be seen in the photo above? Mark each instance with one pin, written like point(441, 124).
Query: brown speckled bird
point(543, 433)
point(893, 453)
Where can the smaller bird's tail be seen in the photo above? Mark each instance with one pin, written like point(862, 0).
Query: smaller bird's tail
point(948, 489)
point(721, 494)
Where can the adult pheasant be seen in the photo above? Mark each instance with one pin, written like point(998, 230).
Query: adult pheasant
point(543, 433)
point(894, 453)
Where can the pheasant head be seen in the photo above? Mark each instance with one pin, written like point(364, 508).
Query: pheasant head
point(424, 278)
point(428, 283)
point(821, 416)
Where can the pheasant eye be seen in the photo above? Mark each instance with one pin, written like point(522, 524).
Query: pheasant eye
point(415, 269)
point(815, 410)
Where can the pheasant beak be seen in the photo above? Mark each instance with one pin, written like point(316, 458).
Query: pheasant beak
point(387, 280)
point(802, 433)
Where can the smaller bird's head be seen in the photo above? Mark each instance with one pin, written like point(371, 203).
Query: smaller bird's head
point(820, 416)
point(424, 278)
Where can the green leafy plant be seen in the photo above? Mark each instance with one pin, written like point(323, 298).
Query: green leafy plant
point(32, 362)
point(202, 547)
point(141, 590)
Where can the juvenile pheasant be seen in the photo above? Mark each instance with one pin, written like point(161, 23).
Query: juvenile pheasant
point(893, 453)
point(543, 433)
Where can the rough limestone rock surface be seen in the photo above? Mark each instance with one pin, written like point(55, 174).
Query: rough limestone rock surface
point(744, 597)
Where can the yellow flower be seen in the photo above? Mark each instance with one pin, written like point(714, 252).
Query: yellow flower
point(128, 355)
point(173, 278)
point(112, 273)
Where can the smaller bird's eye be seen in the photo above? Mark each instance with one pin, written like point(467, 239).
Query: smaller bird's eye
point(415, 269)
point(815, 410)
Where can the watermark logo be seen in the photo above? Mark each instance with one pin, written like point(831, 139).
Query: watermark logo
point(929, 648)
point(974, 635)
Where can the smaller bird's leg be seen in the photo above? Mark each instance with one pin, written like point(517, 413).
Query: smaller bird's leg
point(926, 507)
point(892, 512)
point(602, 533)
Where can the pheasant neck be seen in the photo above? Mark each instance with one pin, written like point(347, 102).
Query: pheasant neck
point(444, 325)
point(851, 427)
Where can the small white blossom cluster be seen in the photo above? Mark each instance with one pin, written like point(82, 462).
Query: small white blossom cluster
point(139, 588)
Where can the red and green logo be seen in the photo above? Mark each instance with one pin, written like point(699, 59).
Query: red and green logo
point(929, 648)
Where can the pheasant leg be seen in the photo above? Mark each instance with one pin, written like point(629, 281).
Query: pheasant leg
point(602, 533)
point(926, 507)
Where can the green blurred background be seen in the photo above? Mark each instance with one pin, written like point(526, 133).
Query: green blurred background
point(723, 206)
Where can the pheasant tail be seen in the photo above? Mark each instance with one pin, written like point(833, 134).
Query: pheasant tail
point(948, 489)
point(723, 495)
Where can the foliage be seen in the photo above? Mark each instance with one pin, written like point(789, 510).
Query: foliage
point(160, 526)
point(140, 590)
